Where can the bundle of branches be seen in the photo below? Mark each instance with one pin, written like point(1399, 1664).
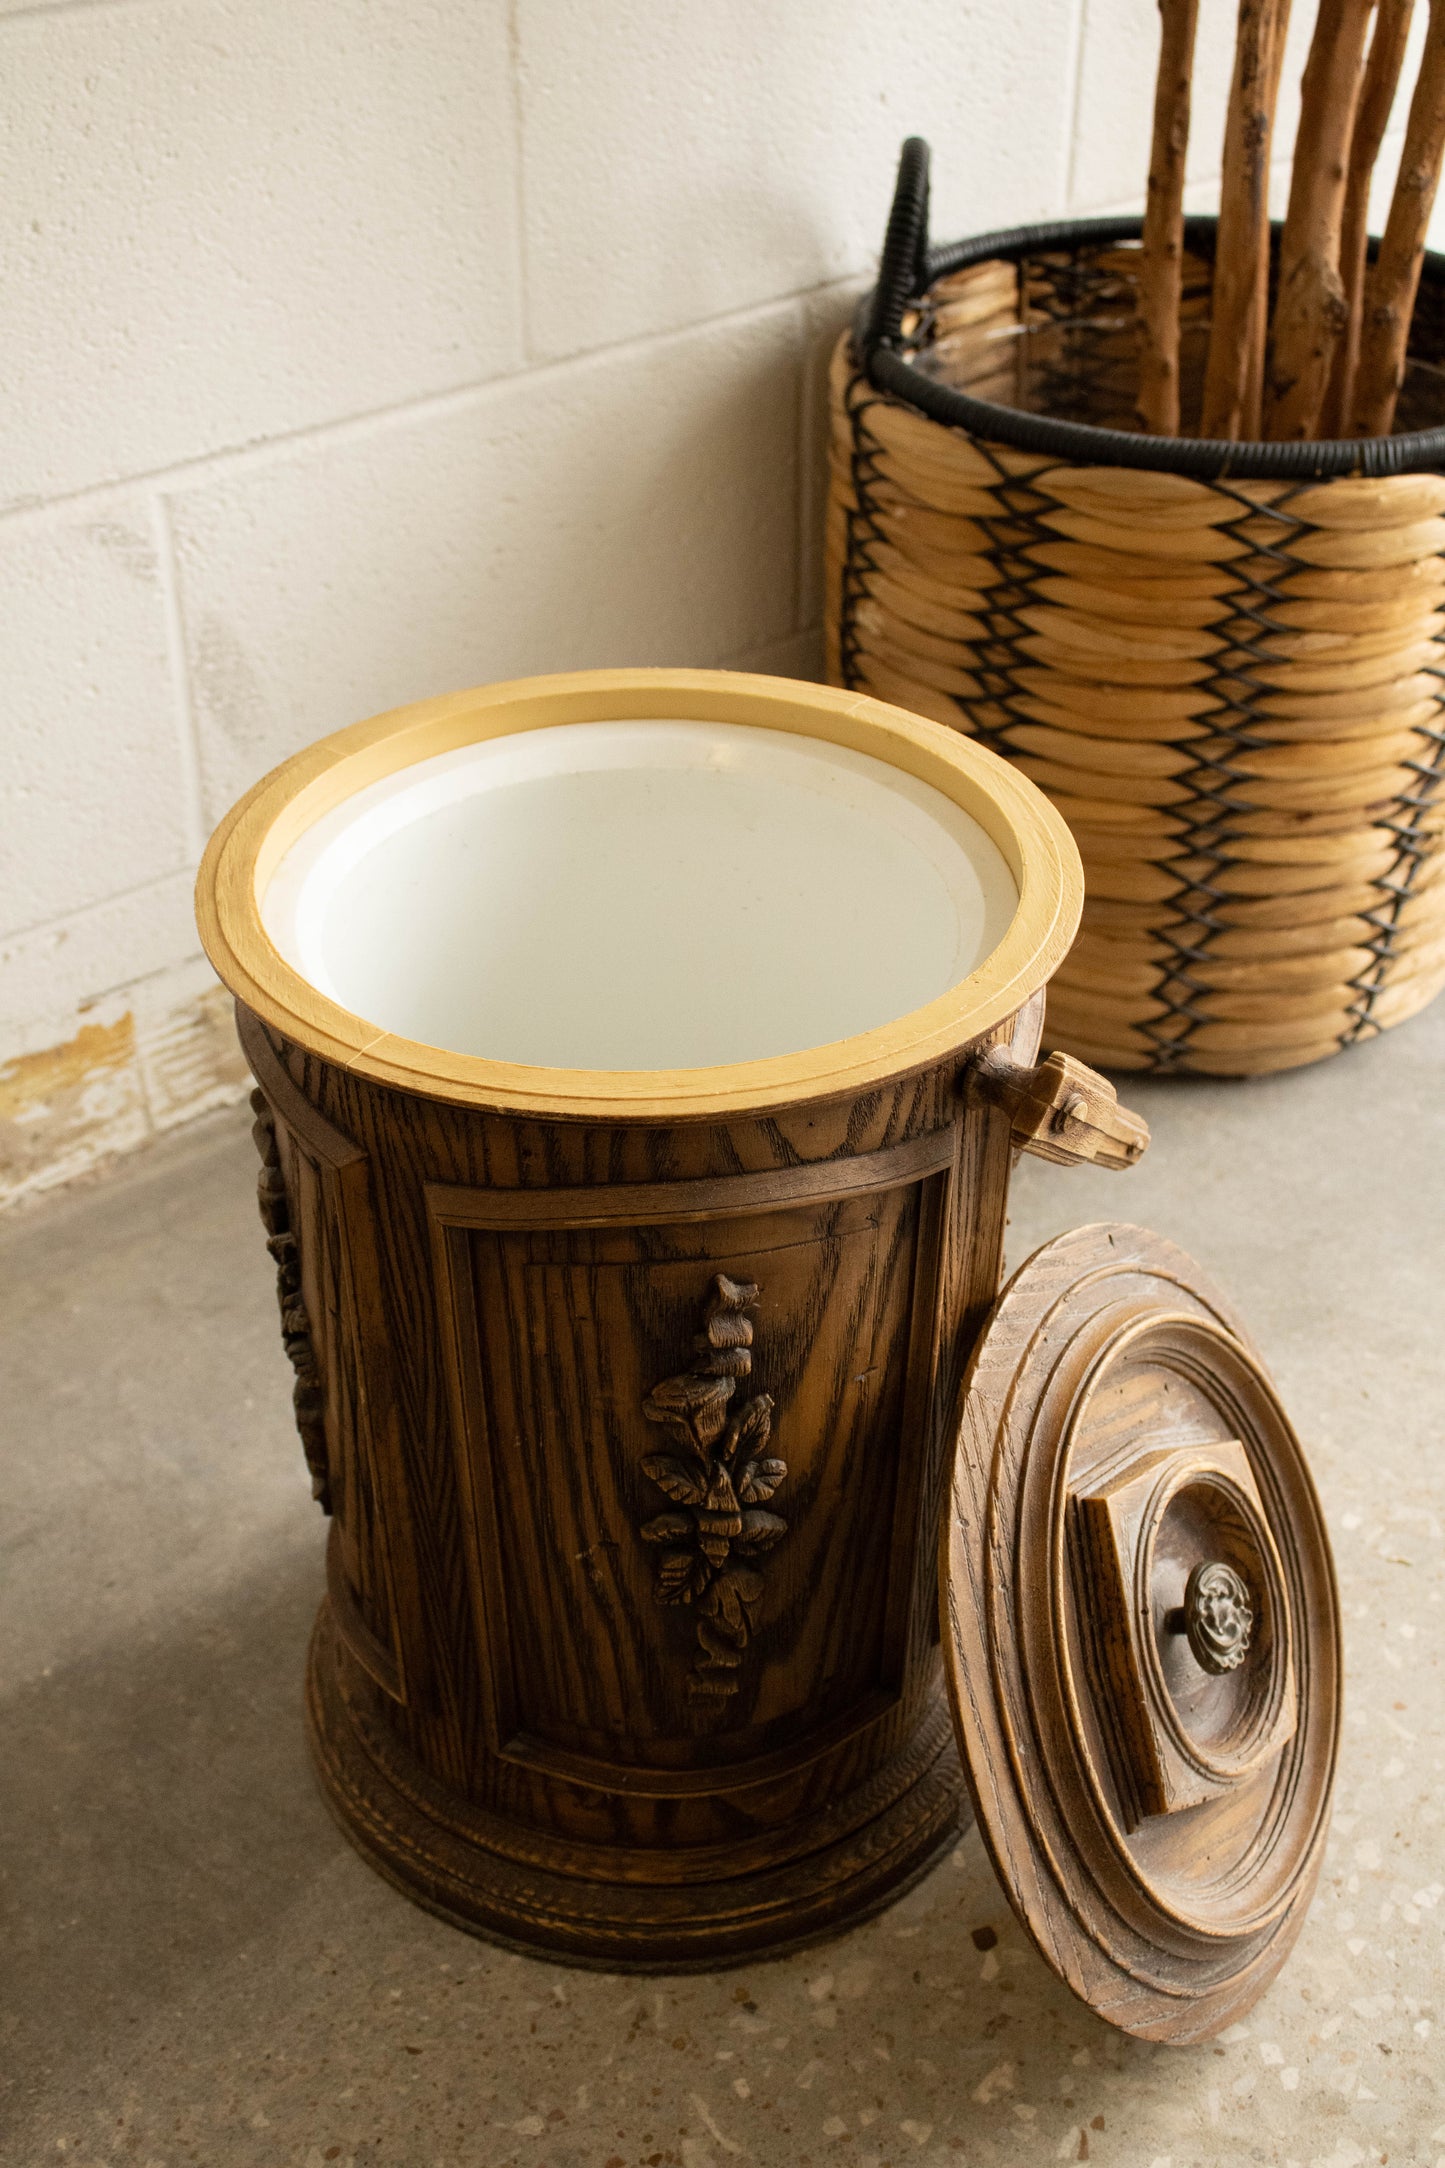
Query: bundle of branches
point(1332, 361)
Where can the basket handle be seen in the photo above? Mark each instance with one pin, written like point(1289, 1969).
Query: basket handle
point(903, 271)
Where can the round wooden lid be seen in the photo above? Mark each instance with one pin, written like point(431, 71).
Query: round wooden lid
point(1141, 1634)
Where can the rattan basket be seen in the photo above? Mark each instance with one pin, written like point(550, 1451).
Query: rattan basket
point(1221, 661)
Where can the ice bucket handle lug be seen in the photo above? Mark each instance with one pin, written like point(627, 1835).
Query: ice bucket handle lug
point(1060, 1109)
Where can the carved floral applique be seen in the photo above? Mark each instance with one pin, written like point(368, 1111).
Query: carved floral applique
point(719, 1478)
point(307, 1397)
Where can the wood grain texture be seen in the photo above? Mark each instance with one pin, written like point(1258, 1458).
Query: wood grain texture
point(1234, 372)
point(296, 1333)
point(1311, 309)
point(1392, 283)
point(1159, 1824)
point(1063, 1111)
point(1377, 97)
point(1189, 1516)
point(349, 1419)
point(539, 1293)
point(1161, 265)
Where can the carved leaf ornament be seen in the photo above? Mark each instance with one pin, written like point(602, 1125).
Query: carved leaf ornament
point(307, 1397)
point(719, 1478)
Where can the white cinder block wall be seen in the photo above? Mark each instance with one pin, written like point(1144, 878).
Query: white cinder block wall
point(359, 349)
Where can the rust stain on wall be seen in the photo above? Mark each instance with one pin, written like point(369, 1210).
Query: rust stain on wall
point(36, 1080)
point(63, 1108)
point(151, 1058)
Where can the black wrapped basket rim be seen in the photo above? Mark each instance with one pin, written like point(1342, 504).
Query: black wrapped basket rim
point(910, 266)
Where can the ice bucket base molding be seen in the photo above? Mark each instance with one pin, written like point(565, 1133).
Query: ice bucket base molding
point(774, 1891)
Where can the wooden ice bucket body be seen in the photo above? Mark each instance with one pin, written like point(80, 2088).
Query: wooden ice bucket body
point(628, 1390)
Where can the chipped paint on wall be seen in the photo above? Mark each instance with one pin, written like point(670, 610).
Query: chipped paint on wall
point(34, 1087)
point(65, 1108)
point(144, 1059)
point(189, 1059)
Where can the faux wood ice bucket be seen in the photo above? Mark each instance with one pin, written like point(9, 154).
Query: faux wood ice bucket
point(630, 1256)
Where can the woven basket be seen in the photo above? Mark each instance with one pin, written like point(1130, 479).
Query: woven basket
point(1223, 662)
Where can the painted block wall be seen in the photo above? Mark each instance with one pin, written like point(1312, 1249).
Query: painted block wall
point(355, 350)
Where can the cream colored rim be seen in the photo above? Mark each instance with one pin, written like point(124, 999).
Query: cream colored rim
point(257, 832)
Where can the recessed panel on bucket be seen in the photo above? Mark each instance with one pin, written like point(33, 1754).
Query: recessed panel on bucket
point(634, 895)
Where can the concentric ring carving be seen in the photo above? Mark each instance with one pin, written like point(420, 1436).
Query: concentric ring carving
point(1111, 1371)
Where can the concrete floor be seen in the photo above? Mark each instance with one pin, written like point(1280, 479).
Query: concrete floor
point(197, 1969)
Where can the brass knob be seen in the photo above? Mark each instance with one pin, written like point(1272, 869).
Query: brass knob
point(1217, 1615)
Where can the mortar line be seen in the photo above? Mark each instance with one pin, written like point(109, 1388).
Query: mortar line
point(39, 12)
point(744, 658)
point(519, 182)
point(66, 919)
point(235, 459)
point(1073, 90)
point(803, 509)
point(188, 743)
point(143, 978)
point(186, 869)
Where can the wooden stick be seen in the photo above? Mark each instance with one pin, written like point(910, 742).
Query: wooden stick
point(1161, 266)
point(1259, 322)
point(1391, 286)
point(1310, 311)
point(1372, 117)
point(1237, 326)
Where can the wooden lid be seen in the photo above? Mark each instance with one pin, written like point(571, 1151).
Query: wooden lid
point(1141, 1634)
point(254, 836)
